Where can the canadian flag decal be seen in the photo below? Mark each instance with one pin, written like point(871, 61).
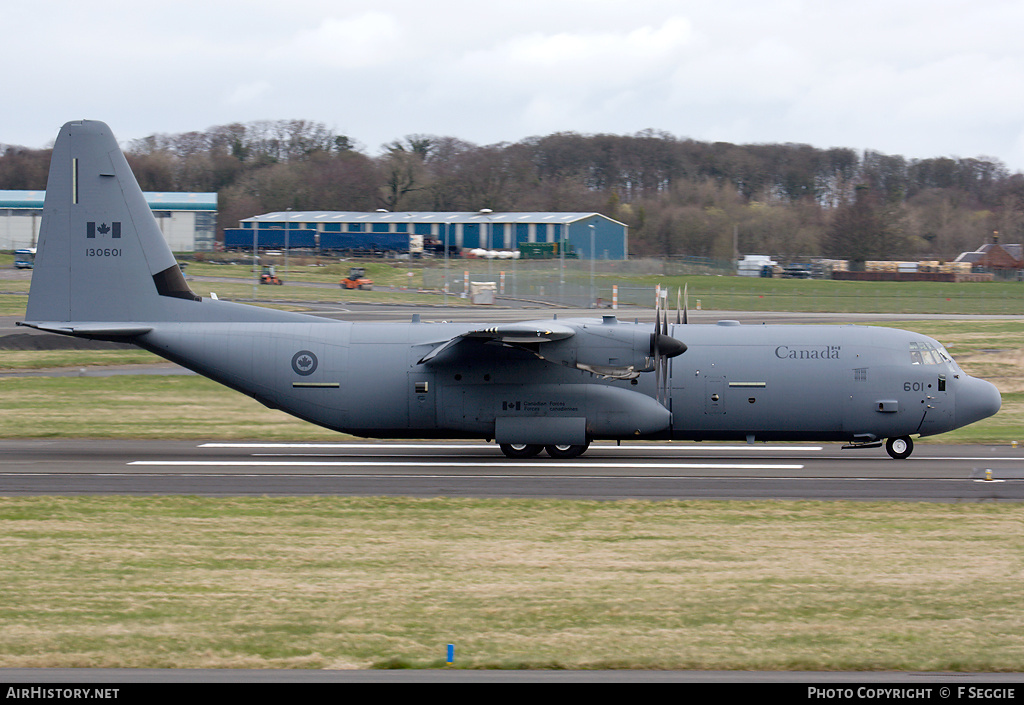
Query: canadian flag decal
point(113, 229)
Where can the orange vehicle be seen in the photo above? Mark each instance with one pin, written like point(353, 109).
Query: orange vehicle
point(356, 279)
point(269, 276)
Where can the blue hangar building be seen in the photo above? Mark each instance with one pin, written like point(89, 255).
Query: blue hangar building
point(469, 230)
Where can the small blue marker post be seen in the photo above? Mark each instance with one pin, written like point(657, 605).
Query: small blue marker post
point(451, 652)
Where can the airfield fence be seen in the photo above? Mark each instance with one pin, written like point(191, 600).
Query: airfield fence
point(575, 284)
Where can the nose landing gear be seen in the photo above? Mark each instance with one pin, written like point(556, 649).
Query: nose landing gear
point(899, 448)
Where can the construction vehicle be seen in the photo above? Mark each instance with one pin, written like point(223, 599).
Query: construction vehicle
point(269, 276)
point(356, 279)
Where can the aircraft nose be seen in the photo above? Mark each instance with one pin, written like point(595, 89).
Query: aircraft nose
point(976, 399)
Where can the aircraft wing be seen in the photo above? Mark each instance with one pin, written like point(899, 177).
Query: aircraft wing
point(508, 334)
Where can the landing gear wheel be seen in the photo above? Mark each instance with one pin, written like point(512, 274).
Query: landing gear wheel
point(899, 448)
point(562, 452)
point(520, 450)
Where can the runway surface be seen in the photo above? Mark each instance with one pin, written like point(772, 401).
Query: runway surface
point(422, 469)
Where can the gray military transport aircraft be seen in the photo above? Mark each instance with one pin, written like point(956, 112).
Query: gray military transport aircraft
point(104, 271)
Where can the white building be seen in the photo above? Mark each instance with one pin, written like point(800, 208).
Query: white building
point(187, 220)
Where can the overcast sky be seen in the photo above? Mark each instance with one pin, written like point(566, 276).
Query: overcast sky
point(921, 78)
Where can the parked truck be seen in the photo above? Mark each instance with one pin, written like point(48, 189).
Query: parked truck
point(756, 266)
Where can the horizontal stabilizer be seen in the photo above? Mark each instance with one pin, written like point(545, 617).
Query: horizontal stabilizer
point(102, 329)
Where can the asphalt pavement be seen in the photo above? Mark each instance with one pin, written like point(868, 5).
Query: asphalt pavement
point(721, 471)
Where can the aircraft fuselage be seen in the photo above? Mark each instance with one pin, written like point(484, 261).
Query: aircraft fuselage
point(842, 383)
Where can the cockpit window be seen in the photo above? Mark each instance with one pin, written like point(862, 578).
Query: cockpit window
point(925, 353)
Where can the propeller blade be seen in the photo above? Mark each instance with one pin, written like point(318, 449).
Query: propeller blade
point(664, 318)
point(655, 352)
point(679, 319)
point(664, 381)
point(656, 343)
point(663, 346)
point(657, 309)
point(686, 303)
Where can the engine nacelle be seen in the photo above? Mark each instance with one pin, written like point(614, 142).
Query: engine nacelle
point(611, 349)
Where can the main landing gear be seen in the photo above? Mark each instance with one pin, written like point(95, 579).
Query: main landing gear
point(527, 450)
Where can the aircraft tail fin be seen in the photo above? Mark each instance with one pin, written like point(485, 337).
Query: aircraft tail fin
point(101, 256)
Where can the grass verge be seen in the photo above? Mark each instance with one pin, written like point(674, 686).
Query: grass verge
point(141, 406)
point(336, 582)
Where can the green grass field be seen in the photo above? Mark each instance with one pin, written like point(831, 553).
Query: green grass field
point(336, 582)
point(827, 296)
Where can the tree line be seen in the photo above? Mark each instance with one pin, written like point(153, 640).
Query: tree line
point(678, 196)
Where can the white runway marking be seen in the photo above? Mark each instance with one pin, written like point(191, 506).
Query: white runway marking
point(448, 464)
point(470, 446)
point(439, 476)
